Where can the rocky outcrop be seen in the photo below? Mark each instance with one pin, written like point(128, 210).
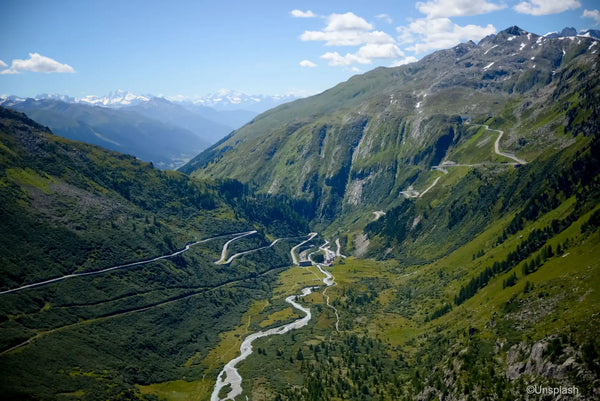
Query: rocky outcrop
point(543, 359)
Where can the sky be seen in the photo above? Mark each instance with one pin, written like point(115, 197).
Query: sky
point(191, 48)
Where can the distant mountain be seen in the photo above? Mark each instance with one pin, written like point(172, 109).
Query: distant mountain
point(115, 99)
point(230, 118)
point(209, 124)
point(594, 33)
point(226, 100)
point(125, 131)
point(222, 100)
point(210, 117)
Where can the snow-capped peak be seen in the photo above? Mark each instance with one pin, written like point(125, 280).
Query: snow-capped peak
point(227, 99)
point(115, 98)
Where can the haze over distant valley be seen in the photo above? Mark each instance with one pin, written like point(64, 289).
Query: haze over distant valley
point(165, 132)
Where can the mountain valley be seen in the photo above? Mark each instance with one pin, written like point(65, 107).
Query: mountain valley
point(428, 231)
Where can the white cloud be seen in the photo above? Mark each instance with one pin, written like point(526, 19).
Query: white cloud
point(351, 30)
point(347, 38)
point(37, 63)
point(364, 55)
point(303, 14)
point(307, 63)
point(595, 14)
point(347, 30)
point(335, 59)
point(347, 22)
point(545, 7)
point(440, 33)
point(456, 8)
point(379, 51)
point(3, 64)
point(404, 61)
point(384, 17)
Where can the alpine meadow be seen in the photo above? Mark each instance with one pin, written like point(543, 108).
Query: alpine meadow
point(425, 231)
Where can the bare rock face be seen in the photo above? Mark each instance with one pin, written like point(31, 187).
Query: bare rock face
point(536, 364)
point(534, 360)
point(566, 367)
point(515, 367)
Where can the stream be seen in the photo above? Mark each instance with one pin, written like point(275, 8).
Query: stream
point(230, 375)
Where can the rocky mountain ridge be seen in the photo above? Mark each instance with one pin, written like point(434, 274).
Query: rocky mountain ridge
point(363, 142)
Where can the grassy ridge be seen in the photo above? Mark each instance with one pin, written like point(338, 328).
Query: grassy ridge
point(70, 207)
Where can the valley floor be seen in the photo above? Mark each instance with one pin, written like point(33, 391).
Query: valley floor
point(395, 333)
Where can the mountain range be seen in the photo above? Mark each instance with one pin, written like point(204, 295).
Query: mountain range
point(462, 193)
point(222, 100)
point(154, 129)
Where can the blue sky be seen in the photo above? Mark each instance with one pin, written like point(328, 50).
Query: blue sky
point(192, 48)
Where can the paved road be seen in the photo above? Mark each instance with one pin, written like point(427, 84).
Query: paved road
point(411, 193)
point(293, 251)
point(497, 147)
point(224, 250)
point(124, 266)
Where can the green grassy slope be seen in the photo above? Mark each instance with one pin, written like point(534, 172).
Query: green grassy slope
point(356, 147)
point(68, 207)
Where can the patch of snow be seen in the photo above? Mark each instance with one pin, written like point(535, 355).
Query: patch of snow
point(533, 58)
point(488, 66)
point(522, 46)
point(486, 52)
point(510, 38)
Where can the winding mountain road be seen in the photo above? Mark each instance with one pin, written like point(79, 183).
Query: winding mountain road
point(338, 251)
point(497, 146)
point(224, 251)
point(272, 244)
point(147, 307)
point(293, 250)
point(123, 266)
point(411, 193)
